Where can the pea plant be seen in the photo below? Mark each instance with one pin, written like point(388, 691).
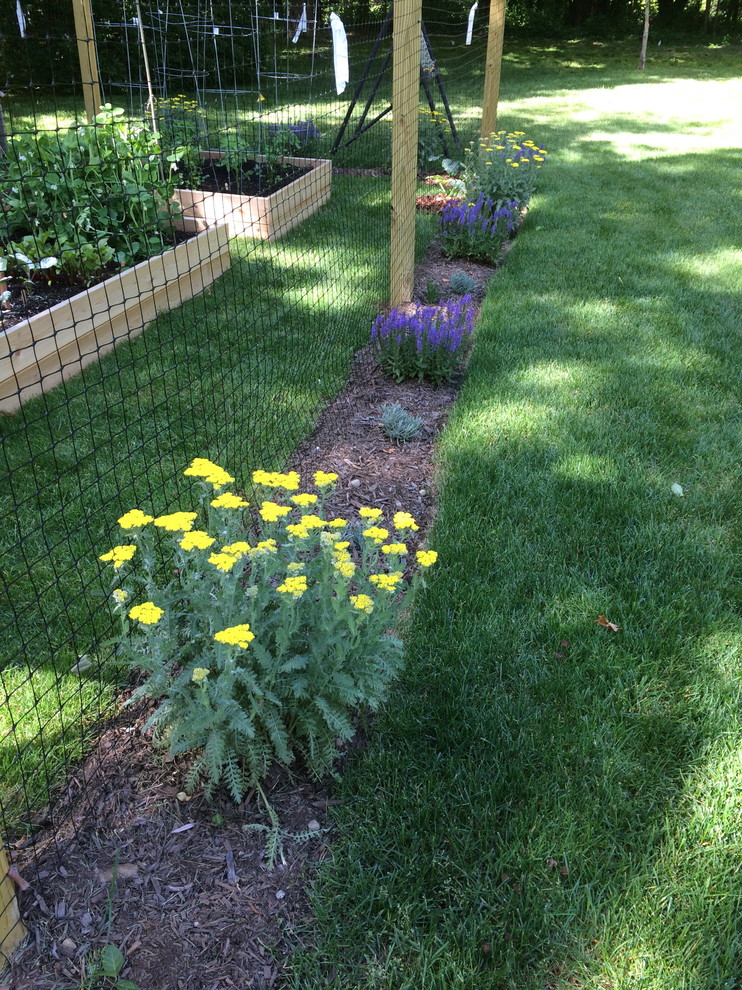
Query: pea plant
point(79, 201)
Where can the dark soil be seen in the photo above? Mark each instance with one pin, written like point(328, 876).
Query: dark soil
point(194, 905)
point(253, 179)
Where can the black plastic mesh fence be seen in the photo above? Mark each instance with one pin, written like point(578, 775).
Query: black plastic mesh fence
point(160, 301)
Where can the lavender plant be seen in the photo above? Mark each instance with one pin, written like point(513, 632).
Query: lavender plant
point(423, 341)
point(476, 229)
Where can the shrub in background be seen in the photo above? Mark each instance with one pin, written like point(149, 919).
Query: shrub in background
point(476, 229)
point(268, 627)
point(423, 341)
point(461, 283)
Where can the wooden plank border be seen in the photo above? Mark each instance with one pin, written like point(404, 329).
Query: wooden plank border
point(52, 346)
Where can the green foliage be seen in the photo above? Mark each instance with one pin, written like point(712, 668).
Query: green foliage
point(461, 283)
point(432, 293)
point(502, 169)
point(258, 653)
point(85, 197)
point(398, 424)
point(181, 124)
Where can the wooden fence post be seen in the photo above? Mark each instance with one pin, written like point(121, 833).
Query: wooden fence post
point(495, 35)
point(405, 104)
point(88, 57)
point(12, 929)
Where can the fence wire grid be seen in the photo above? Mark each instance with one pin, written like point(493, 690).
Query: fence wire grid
point(145, 321)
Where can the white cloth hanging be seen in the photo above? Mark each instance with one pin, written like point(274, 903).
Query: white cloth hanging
point(21, 18)
point(470, 24)
point(302, 25)
point(340, 53)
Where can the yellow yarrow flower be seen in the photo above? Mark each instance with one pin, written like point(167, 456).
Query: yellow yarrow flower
point(134, 519)
point(376, 533)
point(197, 539)
point(236, 636)
point(345, 567)
point(370, 513)
point(295, 586)
point(147, 613)
point(304, 499)
point(311, 522)
point(338, 523)
point(120, 595)
point(119, 555)
point(228, 500)
point(271, 512)
point(386, 582)
point(176, 521)
point(236, 549)
point(297, 530)
point(200, 674)
point(364, 603)
point(426, 557)
point(267, 546)
point(397, 548)
point(200, 467)
point(403, 520)
point(295, 566)
point(223, 561)
point(323, 478)
point(274, 479)
point(342, 545)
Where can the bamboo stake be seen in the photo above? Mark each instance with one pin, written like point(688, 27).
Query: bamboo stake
point(405, 104)
point(88, 57)
point(495, 36)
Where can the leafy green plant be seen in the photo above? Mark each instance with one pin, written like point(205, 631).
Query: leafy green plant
point(181, 124)
point(86, 196)
point(461, 283)
point(423, 341)
point(502, 169)
point(257, 651)
point(398, 424)
point(432, 293)
point(476, 229)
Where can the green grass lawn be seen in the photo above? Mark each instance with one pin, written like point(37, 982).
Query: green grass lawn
point(546, 803)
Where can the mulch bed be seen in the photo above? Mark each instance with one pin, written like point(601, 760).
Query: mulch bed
point(194, 905)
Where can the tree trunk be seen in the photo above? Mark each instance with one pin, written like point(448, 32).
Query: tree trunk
point(645, 36)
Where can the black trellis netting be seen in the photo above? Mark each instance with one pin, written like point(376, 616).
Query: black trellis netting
point(214, 342)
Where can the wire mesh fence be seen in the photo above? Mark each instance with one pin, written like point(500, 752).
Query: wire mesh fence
point(188, 274)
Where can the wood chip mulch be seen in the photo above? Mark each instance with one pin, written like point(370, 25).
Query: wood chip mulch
point(193, 905)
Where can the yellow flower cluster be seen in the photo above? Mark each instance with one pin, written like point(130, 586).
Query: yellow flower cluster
point(273, 479)
point(297, 530)
point(311, 522)
point(272, 512)
point(237, 549)
point(223, 561)
point(304, 499)
point(209, 472)
point(176, 522)
point(228, 500)
point(403, 520)
point(426, 557)
point(338, 523)
point(120, 595)
point(134, 519)
point(376, 533)
point(197, 539)
point(364, 603)
point(147, 613)
point(396, 548)
point(341, 559)
point(200, 674)
point(295, 586)
point(365, 513)
point(386, 582)
point(119, 555)
point(265, 546)
point(324, 478)
point(236, 636)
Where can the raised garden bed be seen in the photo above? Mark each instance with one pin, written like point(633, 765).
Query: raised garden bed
point(264, 217)
point(40, 352)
